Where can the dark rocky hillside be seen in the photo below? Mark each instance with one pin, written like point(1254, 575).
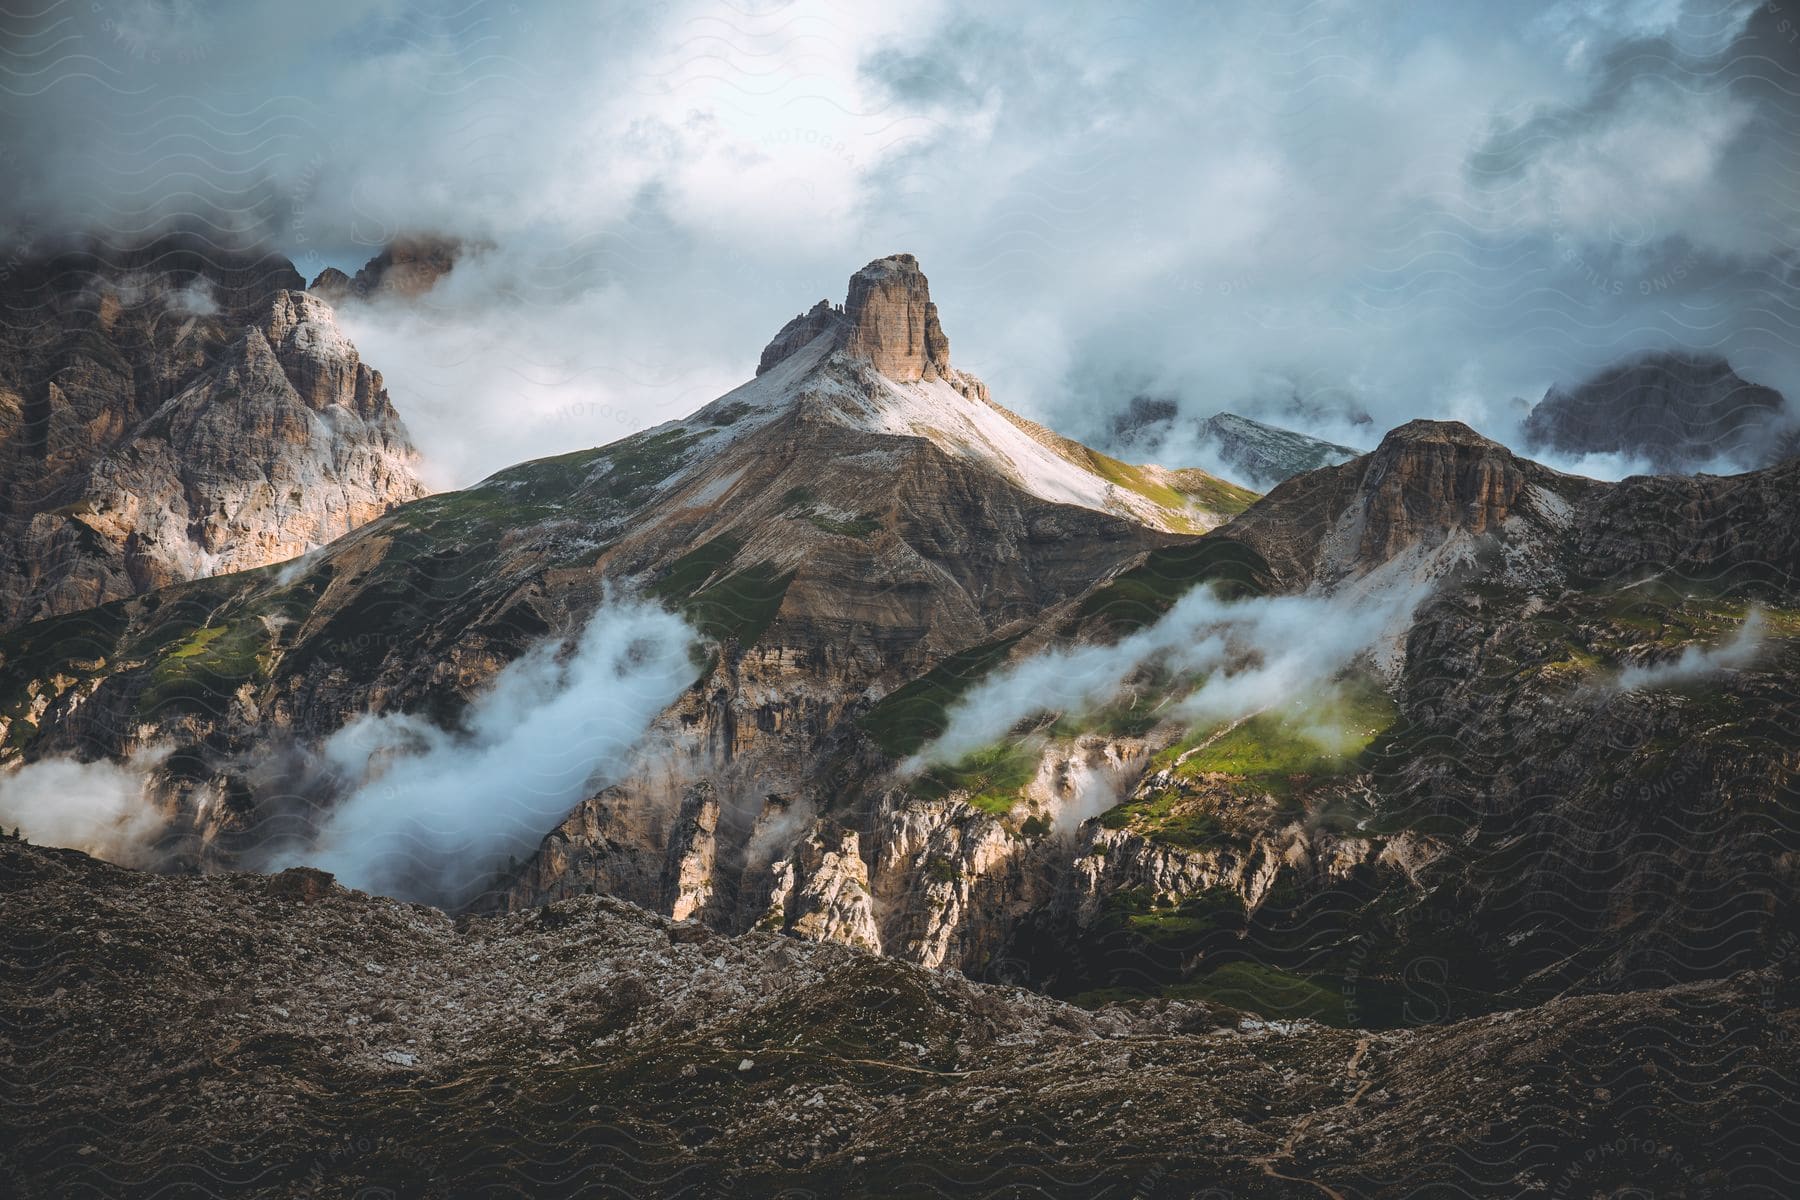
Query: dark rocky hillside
point(280, 1036)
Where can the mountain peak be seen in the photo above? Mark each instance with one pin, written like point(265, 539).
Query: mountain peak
point(887, 318)
point(893, 322)
point(1427, 491)
point(1674, 410)
point(1426, 431)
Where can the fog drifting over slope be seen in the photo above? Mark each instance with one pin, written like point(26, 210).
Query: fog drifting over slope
point(1243, 656)
point(412, 808)
point(430, 813)
point(1405, 212)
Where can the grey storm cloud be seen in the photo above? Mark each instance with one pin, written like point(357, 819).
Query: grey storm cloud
point(1305, 211)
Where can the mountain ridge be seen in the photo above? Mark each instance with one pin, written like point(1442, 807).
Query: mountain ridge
point(1678, 412)
point(855, 567)
point(174, 411)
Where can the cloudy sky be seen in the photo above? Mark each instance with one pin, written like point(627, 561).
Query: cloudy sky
point(1395, 209)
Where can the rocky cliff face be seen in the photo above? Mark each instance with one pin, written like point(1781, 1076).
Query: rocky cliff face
point(171, 415)
point(893, 322)
point(833, 532)
point(1432, 487)
point(1557, 684)
point(1676, 412)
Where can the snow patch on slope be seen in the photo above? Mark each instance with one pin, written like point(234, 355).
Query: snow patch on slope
point(849, 392)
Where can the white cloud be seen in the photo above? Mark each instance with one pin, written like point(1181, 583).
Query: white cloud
point(1698, 662)
point(1248, 654)
point(102, 808)
point(430, 813)
point(1194, 200)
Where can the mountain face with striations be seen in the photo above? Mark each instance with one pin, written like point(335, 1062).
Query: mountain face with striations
point(1676, 412)
point(1441, 658)
point(833, 529)
point(174, 412)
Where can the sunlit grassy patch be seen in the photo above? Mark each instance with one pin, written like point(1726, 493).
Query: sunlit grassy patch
point(1270, 754)
point(990, 778)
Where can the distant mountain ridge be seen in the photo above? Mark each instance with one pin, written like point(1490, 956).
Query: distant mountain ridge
point(1676, 411)
point(1260, 454)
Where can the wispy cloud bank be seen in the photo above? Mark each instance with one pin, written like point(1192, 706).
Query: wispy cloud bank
point(1413, 211)
point(1252, 653)
point(1698, 662)
point(428, 813)
point(102, 808)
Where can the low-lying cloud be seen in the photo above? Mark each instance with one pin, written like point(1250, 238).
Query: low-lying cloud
point(1252, 653)
point(103, 808)
point(430, 813)
point(1699, 662)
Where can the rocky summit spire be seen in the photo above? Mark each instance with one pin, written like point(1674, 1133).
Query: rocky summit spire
point(893, 322)
point(887, 318)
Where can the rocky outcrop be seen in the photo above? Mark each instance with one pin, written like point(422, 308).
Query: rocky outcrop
point(887, 320)
point(1428, 485)
point(406, 268)
point(945, 877)
point(821, 891)
point(1675, 411)
point(1431, 477)
point(166, 442)
point(823, 318)
point(693, 852)
point(893, 322)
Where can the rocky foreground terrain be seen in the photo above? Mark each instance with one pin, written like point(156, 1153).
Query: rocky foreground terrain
point(279, 1036)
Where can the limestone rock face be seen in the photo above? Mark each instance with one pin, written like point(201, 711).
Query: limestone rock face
point(692, 850)
point(823, 317)
point(945, 876)
point(821, 891)
point(1436, 475)
point(152, 434)
point(887, 318)
point(1430, 485)
point(893, 322)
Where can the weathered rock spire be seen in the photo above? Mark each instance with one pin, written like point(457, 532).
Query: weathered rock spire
point(887, 318)
point(893, 322)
